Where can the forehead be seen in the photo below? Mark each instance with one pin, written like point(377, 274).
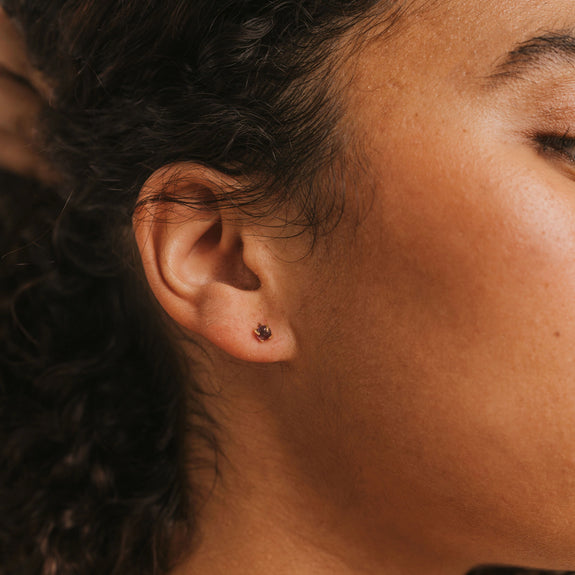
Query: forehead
point(475, 35)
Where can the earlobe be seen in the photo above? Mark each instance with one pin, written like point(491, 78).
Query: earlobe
point(195, 260)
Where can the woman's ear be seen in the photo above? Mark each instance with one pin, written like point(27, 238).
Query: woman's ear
point(212, 273)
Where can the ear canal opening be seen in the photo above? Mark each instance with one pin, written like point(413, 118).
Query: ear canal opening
point(211, 238)
point(236, 273)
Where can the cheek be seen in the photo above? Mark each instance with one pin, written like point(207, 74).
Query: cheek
point(468, 272)
point(479, 257)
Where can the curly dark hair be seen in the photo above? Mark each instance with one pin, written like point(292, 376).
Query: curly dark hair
point(95, 405)
point(97, 409)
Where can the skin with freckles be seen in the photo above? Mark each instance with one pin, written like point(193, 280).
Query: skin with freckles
point(415, 409)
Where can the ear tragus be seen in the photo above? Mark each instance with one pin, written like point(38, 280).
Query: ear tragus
point(230, 265)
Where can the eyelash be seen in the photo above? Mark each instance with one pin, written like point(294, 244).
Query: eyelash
point(558, 145)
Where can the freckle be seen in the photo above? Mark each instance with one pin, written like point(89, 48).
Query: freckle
point(557, 334)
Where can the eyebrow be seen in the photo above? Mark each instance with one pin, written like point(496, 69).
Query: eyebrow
point(548, 49)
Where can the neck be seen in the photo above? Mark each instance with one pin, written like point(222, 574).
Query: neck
point(274, 507)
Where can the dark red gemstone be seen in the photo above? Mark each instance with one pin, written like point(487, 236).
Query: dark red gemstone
point(263, 332)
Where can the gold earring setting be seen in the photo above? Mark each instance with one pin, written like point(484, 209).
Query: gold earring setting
point(263, 333)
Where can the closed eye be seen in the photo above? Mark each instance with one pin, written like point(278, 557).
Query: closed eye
point(561, 146)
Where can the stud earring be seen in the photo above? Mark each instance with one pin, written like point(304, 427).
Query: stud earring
point(263, 333)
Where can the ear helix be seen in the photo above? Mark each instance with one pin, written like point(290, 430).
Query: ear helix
point(263, 333)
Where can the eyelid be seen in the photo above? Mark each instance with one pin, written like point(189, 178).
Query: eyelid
point(561, 146)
